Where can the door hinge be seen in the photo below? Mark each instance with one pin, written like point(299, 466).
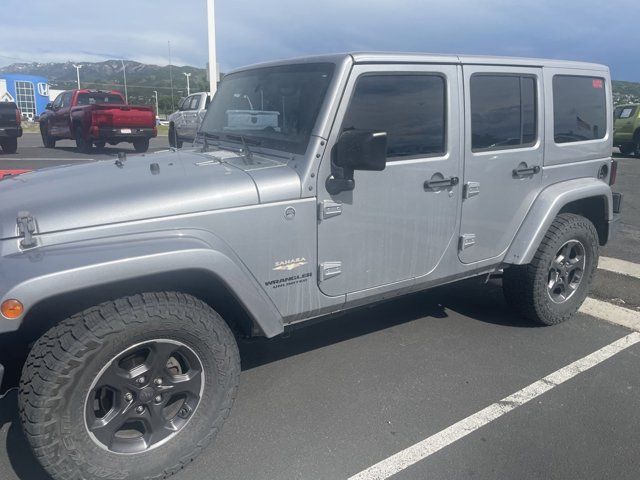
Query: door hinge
point(27, 228)
point(471, 189)
point(467, 240)
point(330, 269)
point(328, 209)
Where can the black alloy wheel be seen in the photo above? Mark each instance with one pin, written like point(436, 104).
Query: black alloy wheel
point(144, 396)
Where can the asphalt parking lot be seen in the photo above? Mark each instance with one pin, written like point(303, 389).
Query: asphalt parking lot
point(405, 382)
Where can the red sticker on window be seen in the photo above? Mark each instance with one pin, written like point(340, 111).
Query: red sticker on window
point(597, 83)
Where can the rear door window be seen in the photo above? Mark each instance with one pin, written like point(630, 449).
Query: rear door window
point(503, 112)
point(579, 108)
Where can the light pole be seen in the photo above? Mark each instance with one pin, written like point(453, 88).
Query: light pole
point(124, 72)
point(170, 74)
point(157, 108)
point(78, 67)
point(211, 28)
point(187, 75)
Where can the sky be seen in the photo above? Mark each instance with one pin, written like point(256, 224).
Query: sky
point(251, 31)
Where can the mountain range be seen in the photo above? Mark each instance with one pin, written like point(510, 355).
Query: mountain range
point(143, 79)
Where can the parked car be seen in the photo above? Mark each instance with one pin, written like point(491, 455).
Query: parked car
point(184, 123)
point(627, 129)
point(372, 176)
point(10, 126)
point(97, 117)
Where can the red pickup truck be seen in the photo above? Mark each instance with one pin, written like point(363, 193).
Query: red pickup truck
point(97, 117)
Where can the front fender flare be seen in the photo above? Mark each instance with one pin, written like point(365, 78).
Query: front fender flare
point(545, 209)
point(48, 271)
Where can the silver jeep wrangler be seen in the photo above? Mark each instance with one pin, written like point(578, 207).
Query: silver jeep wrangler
point(314, 186)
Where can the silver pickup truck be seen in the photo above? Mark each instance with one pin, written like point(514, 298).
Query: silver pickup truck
point(185, 122)
point(314, 186)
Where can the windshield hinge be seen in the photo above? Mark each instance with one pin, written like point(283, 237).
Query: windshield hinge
point(328, 209)
point(27, 228)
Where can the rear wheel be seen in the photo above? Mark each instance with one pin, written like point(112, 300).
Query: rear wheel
point(9, 145)
point(47, 140)
point(83, 145)
point(141, 145)
point(552, 287)
point(130, 389)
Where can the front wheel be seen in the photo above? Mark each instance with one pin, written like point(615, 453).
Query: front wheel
point(141, 145)
point(552, 287)
point(47, 140)
point(174, 141)
point(130, 389)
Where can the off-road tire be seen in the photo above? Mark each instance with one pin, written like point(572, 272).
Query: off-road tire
point(65, 361)
point(9, 145)
point(83, 145)
point(141, 145)
point(174, 141)
point(47, 140)
point(525, 286)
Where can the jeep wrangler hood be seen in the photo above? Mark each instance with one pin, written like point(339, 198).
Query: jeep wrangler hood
point(141, 187)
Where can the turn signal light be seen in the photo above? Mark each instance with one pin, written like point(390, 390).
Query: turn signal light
point(11, 309)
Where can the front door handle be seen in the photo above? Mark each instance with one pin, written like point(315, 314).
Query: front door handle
point(525, 171)
point(445, 182)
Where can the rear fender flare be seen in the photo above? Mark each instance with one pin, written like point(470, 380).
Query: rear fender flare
point(545, 209)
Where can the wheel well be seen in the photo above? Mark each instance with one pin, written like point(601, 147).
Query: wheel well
point(595, 209)
point(636, 134)
point(198, 283)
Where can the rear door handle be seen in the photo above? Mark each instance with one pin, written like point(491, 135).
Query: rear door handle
point(445, 182)
point(526, 171)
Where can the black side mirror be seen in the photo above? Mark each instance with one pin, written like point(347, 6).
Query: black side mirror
point(49, 106)
point(356, 150)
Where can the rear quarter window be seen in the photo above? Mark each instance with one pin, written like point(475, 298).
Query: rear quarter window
point(579, 108)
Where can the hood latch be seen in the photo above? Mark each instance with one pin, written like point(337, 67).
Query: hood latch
point(27, 228)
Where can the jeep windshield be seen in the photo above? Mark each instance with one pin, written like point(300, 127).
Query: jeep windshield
point(275, 107)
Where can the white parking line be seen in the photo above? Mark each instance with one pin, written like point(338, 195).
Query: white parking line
point(612, 313)
point(404, 459)
point(622, 267)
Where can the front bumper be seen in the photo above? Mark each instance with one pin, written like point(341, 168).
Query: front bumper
point(11, 132)
point(122, 134)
